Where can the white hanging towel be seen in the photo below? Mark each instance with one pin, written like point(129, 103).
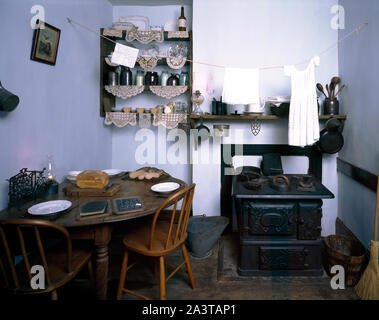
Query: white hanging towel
point(303, 124)
point(241, 86)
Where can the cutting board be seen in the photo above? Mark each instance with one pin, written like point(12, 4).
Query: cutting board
point(78, 192)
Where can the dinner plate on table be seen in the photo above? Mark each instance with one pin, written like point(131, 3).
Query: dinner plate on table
point(113, 172)
point(49, 208)
point(165, 187)
point(71, 175)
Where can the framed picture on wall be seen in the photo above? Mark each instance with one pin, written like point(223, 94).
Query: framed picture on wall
point(45, 44)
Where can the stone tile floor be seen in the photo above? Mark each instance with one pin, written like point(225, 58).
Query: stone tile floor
point(224, 283)
point(212, 282)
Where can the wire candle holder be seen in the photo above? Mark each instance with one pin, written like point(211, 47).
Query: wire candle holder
point(26, 186)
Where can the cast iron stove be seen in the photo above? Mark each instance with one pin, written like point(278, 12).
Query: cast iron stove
point(279, 220)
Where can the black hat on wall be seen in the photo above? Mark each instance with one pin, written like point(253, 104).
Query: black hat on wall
point(8, 100)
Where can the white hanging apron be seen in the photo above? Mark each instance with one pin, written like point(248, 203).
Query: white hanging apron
point(303, 123)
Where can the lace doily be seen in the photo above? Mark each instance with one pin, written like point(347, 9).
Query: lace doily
point(170, 121)
point(168, 92)
point(144, 120)
point(124, 92)
point(176, 62)
point(148, 64)
point(177, 34)
point(144, 36)
point(120, 119)
point(112, 33)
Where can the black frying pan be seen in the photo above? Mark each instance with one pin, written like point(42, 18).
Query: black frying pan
point(205, 131)
point(331, 139)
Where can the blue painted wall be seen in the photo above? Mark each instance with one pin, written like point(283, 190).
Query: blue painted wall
point(240, 33)
point(58, 112)
point(359, 69)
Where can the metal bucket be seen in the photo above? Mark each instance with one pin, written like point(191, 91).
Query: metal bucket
point(203, 233)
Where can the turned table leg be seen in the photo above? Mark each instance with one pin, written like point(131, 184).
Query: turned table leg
point(102, 239)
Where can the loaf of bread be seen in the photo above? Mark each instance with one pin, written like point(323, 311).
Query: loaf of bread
point(146, 173)
point(92, 179)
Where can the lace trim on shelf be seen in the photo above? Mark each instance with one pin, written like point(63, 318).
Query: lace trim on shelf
point(144, 36)
point(168, 92)
point(170, 121)
point(120, 119)
point(177, 34)
point(125, 92)
point(112, 33)
point(176, 62)
point(148, 64)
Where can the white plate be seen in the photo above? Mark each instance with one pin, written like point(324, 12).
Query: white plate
point(112, 172)
point(141, 22)
point(49, 207)
point(171, 25)
point(122, 26)
point(74, 173)
point(278, 99)
point(252, 113)
point(71, 178)
point(165, 187)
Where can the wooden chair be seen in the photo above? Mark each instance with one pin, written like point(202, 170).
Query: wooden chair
point(160, 239)
point(61, 262)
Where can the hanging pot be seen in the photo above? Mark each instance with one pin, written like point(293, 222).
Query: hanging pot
point(8, 100)
point(331, 139)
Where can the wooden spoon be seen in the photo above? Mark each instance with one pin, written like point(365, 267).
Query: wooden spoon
point(320, 87)
point(333, 84)
point(339, 91)
point(327, 89)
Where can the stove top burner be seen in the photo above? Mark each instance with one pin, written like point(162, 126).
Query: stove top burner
point(289, 186)
point(255, 184)
point(306, 184)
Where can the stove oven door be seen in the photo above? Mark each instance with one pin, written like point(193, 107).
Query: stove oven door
point(269, 219)
point(310, 214)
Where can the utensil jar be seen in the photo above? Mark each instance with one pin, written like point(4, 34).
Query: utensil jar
point(331, 106)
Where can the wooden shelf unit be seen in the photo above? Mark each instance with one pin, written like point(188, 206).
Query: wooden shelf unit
point(108, 100)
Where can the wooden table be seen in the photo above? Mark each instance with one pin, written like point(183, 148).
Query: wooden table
point(100, 229)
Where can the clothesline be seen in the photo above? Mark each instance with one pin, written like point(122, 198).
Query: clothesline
point(355, 31)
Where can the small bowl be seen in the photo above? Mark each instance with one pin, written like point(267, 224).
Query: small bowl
point(127, 109)
point(140, 110)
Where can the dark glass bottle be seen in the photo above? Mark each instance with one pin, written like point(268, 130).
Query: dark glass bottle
point(154, 79)
point(182, 21)
point(173, 80)
point(126, 77)
point(148, 78)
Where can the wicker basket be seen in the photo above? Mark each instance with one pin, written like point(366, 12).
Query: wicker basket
point(347, 252)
